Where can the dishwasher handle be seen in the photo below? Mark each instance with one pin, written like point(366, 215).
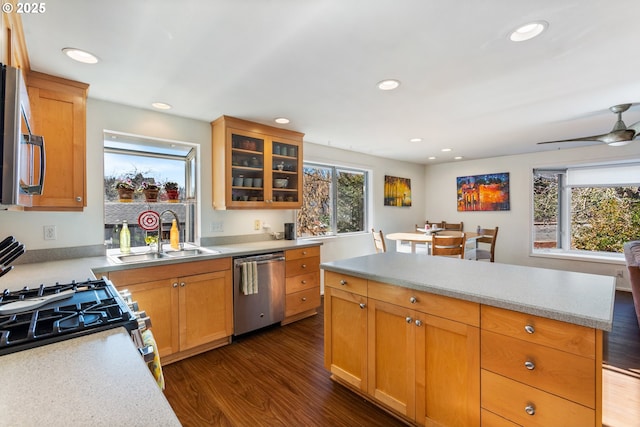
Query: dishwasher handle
point(259, 260)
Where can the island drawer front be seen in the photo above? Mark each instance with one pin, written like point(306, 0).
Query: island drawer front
point(510, 399)
point(563, 374)
point(299, 302)
point(450, 308)
point(564, 336)
point(302, 266)
point(302, 282)
point(302, 253)
point(345, 282)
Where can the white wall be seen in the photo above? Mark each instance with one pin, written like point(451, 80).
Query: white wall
point(514, 237)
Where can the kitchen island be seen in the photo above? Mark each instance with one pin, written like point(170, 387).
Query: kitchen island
point(442, 341)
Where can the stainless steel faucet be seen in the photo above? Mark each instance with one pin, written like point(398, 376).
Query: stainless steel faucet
point(160, 228)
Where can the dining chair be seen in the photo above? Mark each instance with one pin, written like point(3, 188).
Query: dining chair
point(378, 241)
point(487, 238)
point(454, 226)
point(448, 245)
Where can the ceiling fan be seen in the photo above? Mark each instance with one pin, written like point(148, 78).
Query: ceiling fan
point(619, 135)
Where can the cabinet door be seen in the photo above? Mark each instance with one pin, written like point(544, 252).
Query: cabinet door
point(249, 154)
point(391, 365)
point(447, 372)
point(59, 114)
point(286, 173)
point(345, 336)
point(206, 308)
point(159, 299)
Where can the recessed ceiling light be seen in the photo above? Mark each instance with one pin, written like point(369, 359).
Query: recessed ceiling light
point(282, 120)
point(389, 84)
point(415, 140)
point(432, 157)
point(161, 105)
point(457, 158)
point(80, 55)
point(445, 150)
point(528, 31)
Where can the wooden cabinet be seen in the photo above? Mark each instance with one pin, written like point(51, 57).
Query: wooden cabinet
point(538, 371)
point(190, 304)
point(58, 109)
point(345, 329)
point(255, 166)
point(302, 276)
point(421, 354)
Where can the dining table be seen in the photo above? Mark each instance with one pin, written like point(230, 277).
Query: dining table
point(421, 236)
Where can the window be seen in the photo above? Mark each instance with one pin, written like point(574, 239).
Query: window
point(142, 161)
point(586, 210)
point(334, 201)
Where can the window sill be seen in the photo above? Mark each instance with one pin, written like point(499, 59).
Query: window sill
point(617, 259)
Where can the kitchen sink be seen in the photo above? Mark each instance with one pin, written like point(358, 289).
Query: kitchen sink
point(148, 256)
point(190, 252)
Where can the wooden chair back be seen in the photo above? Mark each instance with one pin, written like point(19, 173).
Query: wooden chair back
point(489, 236)
point(448, 245)
point(454, 226)
point(378, 241)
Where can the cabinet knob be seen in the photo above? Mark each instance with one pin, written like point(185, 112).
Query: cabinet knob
point(304, 298)
point(304, 282)
point(304, 265)
point(529, 365)
point(408, 319)
point(78, 199)
point(343, 282)
point(182, 284)
point(363, 305)
point(175, 284)
point(304, 252)
point(529, 329)
point(418, 323)
point(413, 300)
point(530, 409)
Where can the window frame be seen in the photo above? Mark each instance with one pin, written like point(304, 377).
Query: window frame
point(334, 195)
point(563, 232)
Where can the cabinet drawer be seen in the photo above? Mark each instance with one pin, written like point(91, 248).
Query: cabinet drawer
point(302, 301)
point(564, 374)
point(167, 271)
point(302, 253)
point(345, 282)
point(302, 282)
point(564, 336)
point(302, 266)
point(450, 308)
point(510, 399)
point(489, 419)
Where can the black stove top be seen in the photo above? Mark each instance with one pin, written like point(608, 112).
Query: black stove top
point(94, 306)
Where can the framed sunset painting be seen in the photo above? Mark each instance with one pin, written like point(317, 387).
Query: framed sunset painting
point(488, 192)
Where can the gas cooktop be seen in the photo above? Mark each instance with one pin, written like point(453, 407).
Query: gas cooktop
point(46, 314)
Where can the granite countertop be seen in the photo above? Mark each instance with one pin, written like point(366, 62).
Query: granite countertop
point(579, 298)
point(94, 380)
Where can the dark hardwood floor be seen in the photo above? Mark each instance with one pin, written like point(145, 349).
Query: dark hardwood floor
point(276, 377)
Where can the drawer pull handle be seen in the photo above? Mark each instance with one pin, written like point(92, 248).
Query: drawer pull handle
point(409, 319)
point(362, 305)
point(418, 323)
point(413, 300)
point(530, 409)
point(343, 282)
point(529, 365)
point(529, 329)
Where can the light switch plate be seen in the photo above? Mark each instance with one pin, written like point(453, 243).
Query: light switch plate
point(256, 224)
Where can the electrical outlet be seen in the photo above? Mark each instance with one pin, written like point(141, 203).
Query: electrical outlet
point(256, 224)
point(50, 232)
point(216, 226)
point(620, 273)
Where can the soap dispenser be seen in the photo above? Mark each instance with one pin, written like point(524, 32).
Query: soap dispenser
point(174, 235)
point(125, 238)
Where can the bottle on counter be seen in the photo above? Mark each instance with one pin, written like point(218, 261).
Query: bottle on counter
point(174, 235)
point(125, 238)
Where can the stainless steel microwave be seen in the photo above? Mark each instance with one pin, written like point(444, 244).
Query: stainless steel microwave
point(22, 153)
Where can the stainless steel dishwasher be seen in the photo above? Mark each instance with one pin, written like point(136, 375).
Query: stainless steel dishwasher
point(266, 307)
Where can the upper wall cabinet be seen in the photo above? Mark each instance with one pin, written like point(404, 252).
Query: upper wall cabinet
point(255, 166)
point(58, 108)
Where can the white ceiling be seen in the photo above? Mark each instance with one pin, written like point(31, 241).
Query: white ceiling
point(465, 85)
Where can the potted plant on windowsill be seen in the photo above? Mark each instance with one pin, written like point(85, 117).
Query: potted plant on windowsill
point(125, 190)
point(173, 194)
point(150, 190)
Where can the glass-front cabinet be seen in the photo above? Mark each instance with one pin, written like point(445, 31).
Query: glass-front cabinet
point(255, 166)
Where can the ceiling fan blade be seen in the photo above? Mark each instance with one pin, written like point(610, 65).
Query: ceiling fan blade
point(635, 127)
point(618, 137)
